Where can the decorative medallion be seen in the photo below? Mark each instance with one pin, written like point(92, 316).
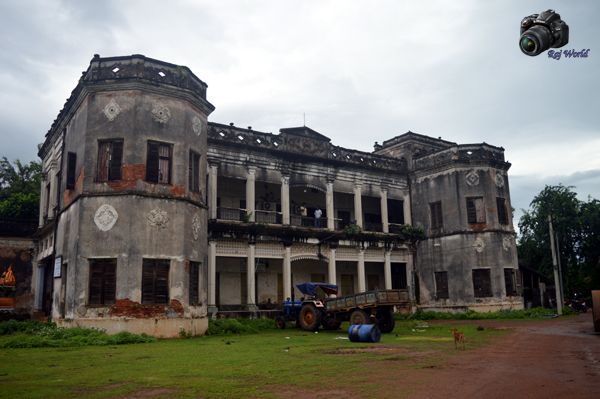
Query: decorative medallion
point(479, 245)
point(472, 178)
point(499, 180)
point(105, 218)
point(197, 125)
point(112, 110)
point(160, 113)
point(196, 225)
point(158, 218)
point(507, 243)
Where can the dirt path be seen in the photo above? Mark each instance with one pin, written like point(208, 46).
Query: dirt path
point(540, 359)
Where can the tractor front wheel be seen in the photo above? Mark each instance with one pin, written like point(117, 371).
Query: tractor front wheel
point(331, 323)
point(359, 317)
point(280, 322)
point(309, 318)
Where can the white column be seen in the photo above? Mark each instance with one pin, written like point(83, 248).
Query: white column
point(287, 272)
point(331, 267)
point(409, 277)
point(384, 211)
point(360, 270)
point(212, 191)
point(407, 207)
point(329, 207)
point(285, 200)
point(358, 205)
point(53, 193)
point(250, 191)
point(212, 273)
point(43, 200)
point(387, 269)
point(250, 275)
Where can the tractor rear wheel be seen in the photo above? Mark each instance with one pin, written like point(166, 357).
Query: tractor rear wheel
point(385, 320)
point(359, 317)
point(280, 322)
point(309, 318)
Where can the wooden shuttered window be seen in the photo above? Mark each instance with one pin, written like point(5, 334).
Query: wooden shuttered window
point(194, 172)
point(441, 285)
point(510, 282)
point(435, 209)
point(103, 281)
point(110, 158)
point(482, 283)
point(502, 214)
point(159, 162)
point(194, 287)
point(155, 281)
point(399, 281)
point(71, 166)
point(475, 210)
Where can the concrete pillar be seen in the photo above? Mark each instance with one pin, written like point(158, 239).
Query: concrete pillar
point(387, 269)
point(330, 207)
point(287, 272)
point(409, 277)
point(285, 200)
point(358, 205)
point(53, 193)
point(212, 273)
point(360, 270)
point(212, 191)
point(250, 194)
point(43, 200)
point(250, 276)
point(407, 208)
point(384, 211)
point(331, 267)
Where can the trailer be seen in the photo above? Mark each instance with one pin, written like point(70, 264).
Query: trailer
point(320, 308)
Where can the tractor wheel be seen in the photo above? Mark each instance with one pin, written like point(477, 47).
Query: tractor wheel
point(330, 323)
point(385, 320)
point(280, 322)
point(359, 317)
point(309, 318)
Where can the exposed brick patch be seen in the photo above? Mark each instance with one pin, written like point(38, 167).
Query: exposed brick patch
point(70, 195)
point(177, 306)
point(129, 308)
point(130, 174)
point(478, 226)
point(178, 191)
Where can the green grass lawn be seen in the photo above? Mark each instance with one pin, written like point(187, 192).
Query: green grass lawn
point(234, 366)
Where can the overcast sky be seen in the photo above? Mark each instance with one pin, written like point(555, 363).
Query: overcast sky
point(360, 71)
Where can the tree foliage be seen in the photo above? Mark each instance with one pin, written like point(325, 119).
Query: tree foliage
point(19, 189)
point(577, 226)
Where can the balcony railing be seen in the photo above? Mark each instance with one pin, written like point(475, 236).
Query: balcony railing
point(370, 226)
point(268, 217)
point(395, 228)
point(224, 213)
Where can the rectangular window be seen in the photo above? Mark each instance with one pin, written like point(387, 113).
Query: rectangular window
point(395, 211)
point(435, 209)
point(399, 276)
point(510, 282)
point(194, 172)
point(194, 288)
point(475, 210)
point(441, 285)
point(158, 162)
point(155, 281)
point(502, 214)
point(103, 281)
point(482, 283)
point(372, 282)
point(110, 157)
point(71, 166)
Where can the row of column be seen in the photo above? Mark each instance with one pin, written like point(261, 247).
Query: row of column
point(285, 200)
point(287, 271)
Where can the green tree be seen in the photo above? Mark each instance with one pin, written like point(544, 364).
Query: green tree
point(19, 189)
point(589, 248)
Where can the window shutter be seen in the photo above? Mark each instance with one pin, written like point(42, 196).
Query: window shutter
point(103, 160)
point(95, 296)
point(161, 285)
point(194, 281)
point(152, 163)
point(110, 282)
point(148, 281)
point(471, 211)
point(71, 165)
point(116, 156)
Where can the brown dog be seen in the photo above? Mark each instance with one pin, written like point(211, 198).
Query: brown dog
point(459, 338)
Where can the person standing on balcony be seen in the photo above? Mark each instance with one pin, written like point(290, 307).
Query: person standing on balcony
point(303, 211)
point(318, 214)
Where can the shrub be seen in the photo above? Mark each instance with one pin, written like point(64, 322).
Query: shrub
point(534, 313)
point(239, 326)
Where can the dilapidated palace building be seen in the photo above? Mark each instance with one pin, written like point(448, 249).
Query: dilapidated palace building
point(153, 218)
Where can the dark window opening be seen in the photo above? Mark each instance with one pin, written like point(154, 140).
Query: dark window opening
point(110, 157)
point(502, 214)
point(194, 288)
point(194, 172)
point(158, 164)
point(437, 221)
point(482, 283)
point(155, 281)
point(395, 211)
point(399, 281)
point(103, 281)
point(510, 282)
point(71, 166)
point(441, 285)
point(475, 210)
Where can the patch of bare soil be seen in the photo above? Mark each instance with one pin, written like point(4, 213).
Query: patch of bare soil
point(153, 393)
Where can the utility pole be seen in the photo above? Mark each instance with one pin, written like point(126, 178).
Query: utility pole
point(560, 273)
point(555, 267)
